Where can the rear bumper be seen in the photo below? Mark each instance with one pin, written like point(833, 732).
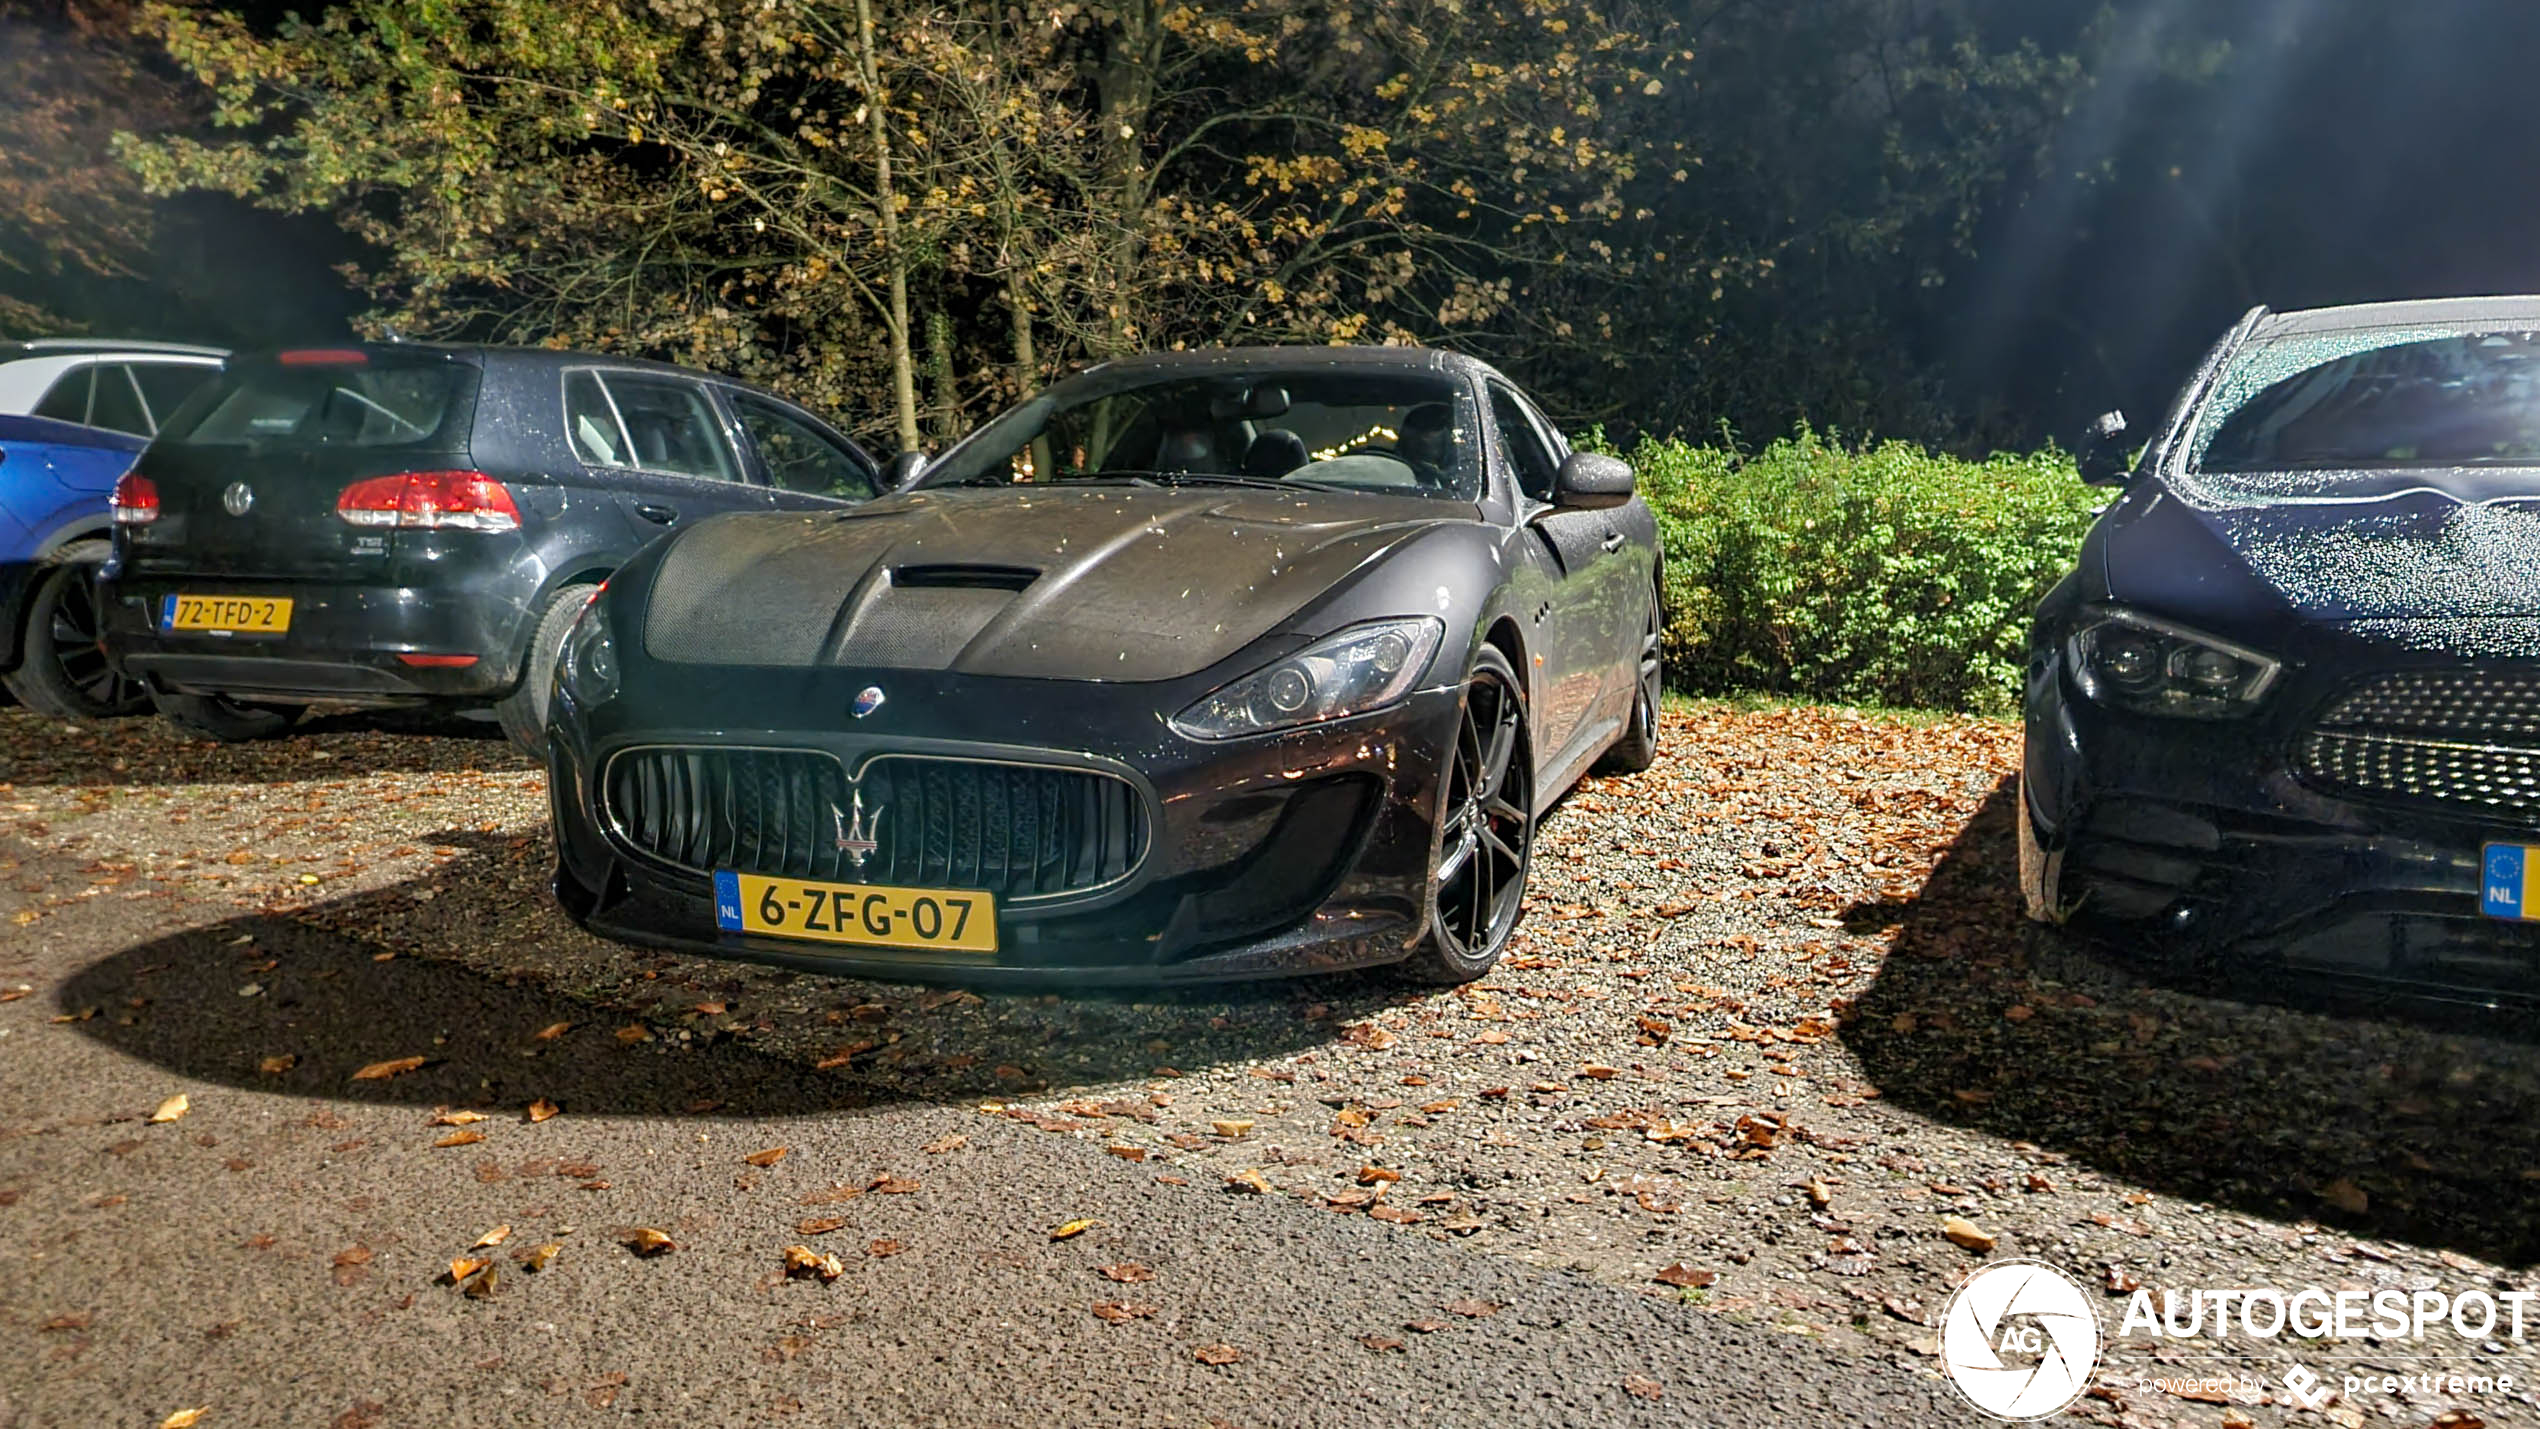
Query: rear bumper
point(344, 643)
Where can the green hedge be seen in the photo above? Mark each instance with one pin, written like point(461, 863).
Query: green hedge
point(1886, 575)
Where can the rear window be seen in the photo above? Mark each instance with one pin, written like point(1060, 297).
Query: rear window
point(378, 403)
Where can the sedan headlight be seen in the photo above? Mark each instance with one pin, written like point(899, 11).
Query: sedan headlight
point(586, 667)
point(1363, 668)
point(2134, 661)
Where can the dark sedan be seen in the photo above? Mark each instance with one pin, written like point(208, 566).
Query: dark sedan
point(2287, 709)
point(397, 523)
point(1218, 665)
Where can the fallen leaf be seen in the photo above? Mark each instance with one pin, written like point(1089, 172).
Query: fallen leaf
point(1600, 1073)
point(460, 1138)
point(382, 1071)
point(1472, 1309)
point(1072, 1229)
point(1128, 1272)
point(822, 1226)
point(2121, 1281)
point(276, 1066)
point(893, 1185)
point(464, 1267)
point(1217, 1354)
point(2346, 1196)
point(646, 1240)
point(1120, 1312)
point(1909, 1311)
point(536, 1259)
point(1380, 1343)
point(456, 1118)
point(1230, 1129)
point(1686, 1277)
point(802, 1261)
point(173, 1109)
point(1642, 1386)
point(185, 1418)
point(79, 1321)
point(1966, 1234)
point(637, 1032)
point(769, 1157)
point(1128, 1153)
point(883, 1249)
point(492, 1238)
point(482, 1287)
point(1250, 1183)
point(1424, 1327)
point(543, 1110)
point(954, 1142)
point(551, 1031)
point(1820, 1194)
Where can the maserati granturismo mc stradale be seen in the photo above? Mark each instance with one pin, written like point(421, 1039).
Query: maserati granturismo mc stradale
point(1212, 665)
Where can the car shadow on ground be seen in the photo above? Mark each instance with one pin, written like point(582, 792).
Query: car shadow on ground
point(471, 969)
point(2397, 1122)
point(145, 750)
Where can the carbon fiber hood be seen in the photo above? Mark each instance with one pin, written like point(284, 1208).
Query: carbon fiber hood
point(1109, 583)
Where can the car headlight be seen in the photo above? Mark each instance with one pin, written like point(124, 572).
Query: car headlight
point(586, 667)
point(1363, 668)
point(2134, 661)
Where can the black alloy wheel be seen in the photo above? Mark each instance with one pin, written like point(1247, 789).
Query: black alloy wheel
point(1486, 834)
point(1636, 748)
point(63, 670)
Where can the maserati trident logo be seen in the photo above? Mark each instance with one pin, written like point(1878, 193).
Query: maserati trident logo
point(856, 837)
point(868, 700)
point(238, 498)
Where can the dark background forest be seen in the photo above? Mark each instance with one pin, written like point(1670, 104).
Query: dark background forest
point(1970, 223)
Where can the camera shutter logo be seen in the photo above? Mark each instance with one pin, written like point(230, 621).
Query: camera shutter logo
point(2019, 1340)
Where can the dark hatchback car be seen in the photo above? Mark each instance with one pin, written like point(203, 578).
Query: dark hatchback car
point(407, 524)
point(2287, 709)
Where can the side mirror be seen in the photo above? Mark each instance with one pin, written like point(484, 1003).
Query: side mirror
point(903, 469)
point(1591, 481)
point(2103, 451)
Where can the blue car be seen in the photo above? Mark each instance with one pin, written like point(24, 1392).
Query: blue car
point(55, 481)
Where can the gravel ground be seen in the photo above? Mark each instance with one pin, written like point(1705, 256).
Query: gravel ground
point(1771, 1030)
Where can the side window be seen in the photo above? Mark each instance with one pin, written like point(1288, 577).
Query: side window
point(67, 400)
point(117, 403)
point(670, 426)
point(592, 423)
point(166, 385)
point(1527, 454)
point(798, 455)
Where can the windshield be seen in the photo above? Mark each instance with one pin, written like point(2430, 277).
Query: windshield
point(1393, 432)
point(2375, 400)
point(366, 403)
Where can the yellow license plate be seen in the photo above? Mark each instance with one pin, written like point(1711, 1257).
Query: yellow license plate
point(226, 614)
point(930, 920)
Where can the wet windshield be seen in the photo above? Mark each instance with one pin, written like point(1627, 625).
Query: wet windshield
point(2375, 400)
point(1396, 433)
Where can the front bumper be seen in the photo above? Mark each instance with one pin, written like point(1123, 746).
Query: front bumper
point(2201, 837)
point(1303, 852)
point(344, 643)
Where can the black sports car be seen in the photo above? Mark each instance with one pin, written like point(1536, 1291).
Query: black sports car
point(1219, 665)
point(2288, 707)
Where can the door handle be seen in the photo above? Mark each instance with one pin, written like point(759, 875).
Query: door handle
point(658, 515)
point(1613, 542)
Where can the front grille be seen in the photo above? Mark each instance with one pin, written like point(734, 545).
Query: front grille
point(1018, 831)
point(2463, 740)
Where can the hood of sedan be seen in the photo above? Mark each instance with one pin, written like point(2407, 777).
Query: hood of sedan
point(2376, 548)
point(1108, 583)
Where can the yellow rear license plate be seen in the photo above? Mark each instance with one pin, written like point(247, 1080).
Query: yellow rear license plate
point(226, 614)
point(929, 920)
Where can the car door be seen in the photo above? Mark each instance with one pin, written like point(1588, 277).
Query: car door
point(1552, 585)
point(1610, 594)
point(655, 442)
point(801, 460)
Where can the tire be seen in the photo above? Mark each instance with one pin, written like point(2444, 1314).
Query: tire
point(1486, 837)
point(227, 720)
point(1637, 747)
point(523, 712)
point(62, 671)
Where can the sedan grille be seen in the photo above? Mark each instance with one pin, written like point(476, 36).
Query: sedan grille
point(2463, 740)
point(1018, 831)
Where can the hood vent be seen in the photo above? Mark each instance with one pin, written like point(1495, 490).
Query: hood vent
point(1005, 578)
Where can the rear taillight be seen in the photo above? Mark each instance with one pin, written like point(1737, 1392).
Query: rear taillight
point(430, 500)
point(136, 500)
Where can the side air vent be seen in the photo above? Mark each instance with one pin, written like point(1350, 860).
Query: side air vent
point(1007, 578)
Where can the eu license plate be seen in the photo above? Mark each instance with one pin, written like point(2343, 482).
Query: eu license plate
point(226, 614)
point(2507, 888)
point(931, 920)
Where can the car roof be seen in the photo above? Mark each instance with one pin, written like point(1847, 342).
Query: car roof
point(2471, 314)
point(66, 434)
point(1297, 358)
point(514, 358)
point(99, 347)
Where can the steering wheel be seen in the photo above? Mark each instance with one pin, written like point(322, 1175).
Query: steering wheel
point(1421, 471)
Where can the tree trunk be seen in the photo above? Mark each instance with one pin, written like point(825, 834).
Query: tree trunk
point(903, 366)
point(1027, 363)
point(939, 365)
point(1126, 82)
